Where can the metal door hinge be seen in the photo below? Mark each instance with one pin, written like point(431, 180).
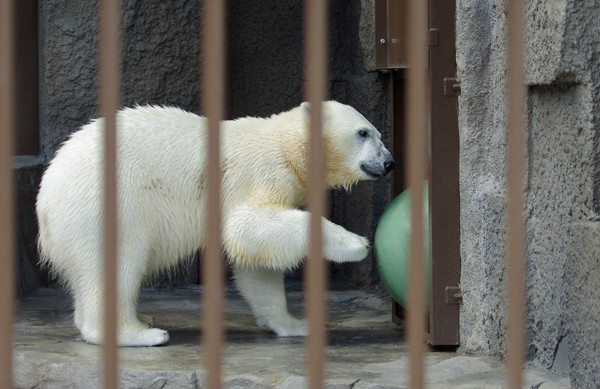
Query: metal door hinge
point(453, 295)
point(451, 86)
point(433, 39)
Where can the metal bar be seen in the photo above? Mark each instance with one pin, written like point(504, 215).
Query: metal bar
point(416, 129)
point(213, 101)
point(7, 220)
point(515, 162)
point(109, 77)
point(315, 89)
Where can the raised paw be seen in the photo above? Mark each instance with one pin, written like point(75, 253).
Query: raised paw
point(358, 249)
point(346, 247)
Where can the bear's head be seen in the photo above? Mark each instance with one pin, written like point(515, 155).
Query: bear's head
point(352, 146)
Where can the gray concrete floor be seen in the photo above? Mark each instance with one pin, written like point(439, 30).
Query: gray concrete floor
point(365, 349)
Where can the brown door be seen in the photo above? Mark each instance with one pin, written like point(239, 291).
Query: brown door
point(443, 89)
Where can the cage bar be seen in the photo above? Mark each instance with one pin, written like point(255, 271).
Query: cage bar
point(315, 89)
point(213, 102)
point(7, 217)
point(416, 129)
point(109, 69)
point(515, 163)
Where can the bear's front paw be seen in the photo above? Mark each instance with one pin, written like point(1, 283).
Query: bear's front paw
point(347, 247)
point(292, 327)
point(358, 249)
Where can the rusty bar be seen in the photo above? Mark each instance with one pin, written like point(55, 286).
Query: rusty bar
point(213, 101)
point(315, 62)
point(109, 77)
point(7, 220)
point(515, 162)
point(416, 129)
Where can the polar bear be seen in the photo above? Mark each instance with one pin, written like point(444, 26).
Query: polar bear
point(161, 204)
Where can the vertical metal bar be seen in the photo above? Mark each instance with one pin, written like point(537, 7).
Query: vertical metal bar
point(213, 101)
point(7, 229)
point(416, 127)
point(109, 77)
point(315, 61)
point(515, 162)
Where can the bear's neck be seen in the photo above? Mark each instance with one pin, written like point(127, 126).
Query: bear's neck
point(295, 146)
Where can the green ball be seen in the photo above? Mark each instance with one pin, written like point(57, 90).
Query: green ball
point(392, 239)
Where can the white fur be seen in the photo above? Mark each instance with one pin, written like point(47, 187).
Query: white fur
point(161, 171)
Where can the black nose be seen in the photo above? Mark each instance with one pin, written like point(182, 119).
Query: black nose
point(389, 165)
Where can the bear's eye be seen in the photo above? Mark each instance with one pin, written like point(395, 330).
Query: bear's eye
point(363, 133)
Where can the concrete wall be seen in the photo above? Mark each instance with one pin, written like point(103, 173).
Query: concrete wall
point(561, 182)
point(161, 62)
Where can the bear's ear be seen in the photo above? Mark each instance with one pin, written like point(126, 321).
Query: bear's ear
point(324, 110)
point(305, 108)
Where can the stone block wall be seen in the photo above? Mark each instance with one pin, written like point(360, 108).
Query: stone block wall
point(561, 183)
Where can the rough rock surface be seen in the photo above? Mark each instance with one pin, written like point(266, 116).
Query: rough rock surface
point(561, 183)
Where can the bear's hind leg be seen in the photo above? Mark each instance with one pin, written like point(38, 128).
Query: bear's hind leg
point(134, 329)
point(89, 304)
point(88, 294)
point(88, 301)
point(264, 290)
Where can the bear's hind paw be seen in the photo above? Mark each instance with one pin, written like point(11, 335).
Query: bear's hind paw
point(145, 337)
